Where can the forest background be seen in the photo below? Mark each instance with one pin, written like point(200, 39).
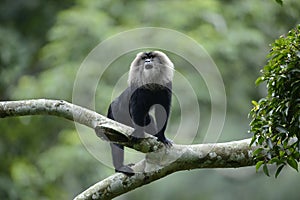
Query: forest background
point(42, 45)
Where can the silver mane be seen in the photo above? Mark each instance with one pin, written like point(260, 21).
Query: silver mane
point(161, 72)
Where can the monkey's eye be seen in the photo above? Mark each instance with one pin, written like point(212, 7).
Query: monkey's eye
point(159, 60)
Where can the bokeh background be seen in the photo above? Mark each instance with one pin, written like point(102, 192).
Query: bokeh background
point(42, 45)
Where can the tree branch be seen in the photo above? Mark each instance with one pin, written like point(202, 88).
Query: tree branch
point(105, 128)
point(161, 162)
point(169, 160)
point(56, 108)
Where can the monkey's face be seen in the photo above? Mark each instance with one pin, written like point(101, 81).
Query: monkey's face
point(150, 67)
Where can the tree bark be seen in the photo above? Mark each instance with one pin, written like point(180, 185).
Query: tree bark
point(160, 161)
point(169, 160)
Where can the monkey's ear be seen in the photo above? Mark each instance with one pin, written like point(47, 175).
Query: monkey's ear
point(139, 55)
point(135, 63)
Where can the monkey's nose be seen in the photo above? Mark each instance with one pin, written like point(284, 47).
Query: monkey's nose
point(148, 64)
point(148, 60)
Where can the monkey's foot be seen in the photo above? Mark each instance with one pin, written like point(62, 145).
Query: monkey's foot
point(135, 140)
point(168, 143)
point(125, 169)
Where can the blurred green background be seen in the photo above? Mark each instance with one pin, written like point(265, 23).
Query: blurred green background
point(43, 43)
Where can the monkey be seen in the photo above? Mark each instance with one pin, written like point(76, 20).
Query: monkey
point(149, 87)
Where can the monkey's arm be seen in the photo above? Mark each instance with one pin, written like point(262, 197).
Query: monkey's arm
point(162, 114)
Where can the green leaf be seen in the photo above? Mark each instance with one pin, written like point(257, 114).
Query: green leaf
point(281, 153)
point(259, 80)
point(293, 163)
point(279, 170)
point(274, 160)
point(261, 140)
point(280, 129)
point(257, 151)
point(252, 141)
point(270, 144)
point(254, 103)
point(266, 170)
point(258, 165)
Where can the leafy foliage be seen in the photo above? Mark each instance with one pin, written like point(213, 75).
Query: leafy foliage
point(276, 118)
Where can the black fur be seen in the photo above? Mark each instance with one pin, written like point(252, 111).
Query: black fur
point(132, 109)
point(150, 88)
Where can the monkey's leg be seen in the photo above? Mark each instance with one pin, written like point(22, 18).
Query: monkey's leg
point(161, 117)
point(118, 159)
point(138, 118)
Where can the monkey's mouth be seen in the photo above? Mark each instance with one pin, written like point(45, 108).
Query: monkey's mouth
point(148, 66)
